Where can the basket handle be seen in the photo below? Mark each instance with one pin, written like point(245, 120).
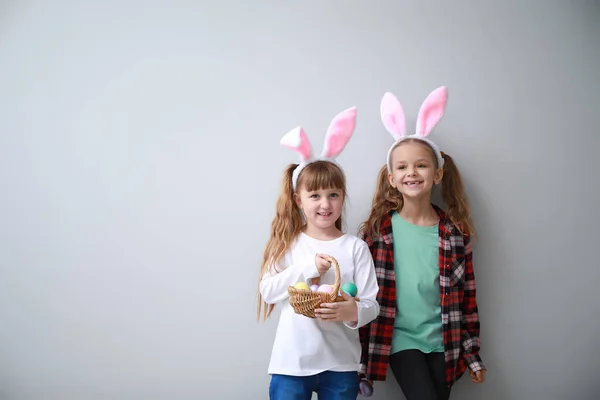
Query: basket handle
point(336, 284)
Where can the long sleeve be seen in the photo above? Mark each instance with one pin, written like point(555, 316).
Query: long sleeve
point(470, 322)
point(274, 284)
point(365, 280)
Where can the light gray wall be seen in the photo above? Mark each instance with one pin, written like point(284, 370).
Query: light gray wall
point(140, 162)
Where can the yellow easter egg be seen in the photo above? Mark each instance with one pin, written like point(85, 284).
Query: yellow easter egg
point(301, 286)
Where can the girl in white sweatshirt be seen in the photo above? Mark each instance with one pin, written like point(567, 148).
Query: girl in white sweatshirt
point(319, 355)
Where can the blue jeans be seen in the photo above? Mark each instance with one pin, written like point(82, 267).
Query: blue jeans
point(328, 385)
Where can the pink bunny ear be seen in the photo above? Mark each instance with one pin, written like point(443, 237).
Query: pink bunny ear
point(392, 116)
point(431, 111)
point(297, 140)
point(339, 132)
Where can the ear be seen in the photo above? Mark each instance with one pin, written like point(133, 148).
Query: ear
point(431, 111)
point(297, 140)
point(298, 200)
point(439, 175)
point(391, 180)
point(392, 116)
point(339, 132)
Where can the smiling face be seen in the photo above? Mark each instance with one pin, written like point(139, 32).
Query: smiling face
point(322, 208)
point(414, 169)
point(320, 195)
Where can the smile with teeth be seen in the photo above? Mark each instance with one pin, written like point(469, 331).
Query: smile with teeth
point(324, 214)
point(413, 183)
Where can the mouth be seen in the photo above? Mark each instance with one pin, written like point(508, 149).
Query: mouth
point(413, 184)
point(324, 214)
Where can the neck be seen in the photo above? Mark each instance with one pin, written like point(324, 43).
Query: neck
point(419, 211)
point(322, 234)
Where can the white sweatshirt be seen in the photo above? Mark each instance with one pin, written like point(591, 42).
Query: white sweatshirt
point(308, 346)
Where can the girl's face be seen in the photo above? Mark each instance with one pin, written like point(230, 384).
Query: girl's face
point(414, 170)
point(321, 207)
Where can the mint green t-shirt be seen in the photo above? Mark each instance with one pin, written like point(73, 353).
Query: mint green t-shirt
point(418, 323)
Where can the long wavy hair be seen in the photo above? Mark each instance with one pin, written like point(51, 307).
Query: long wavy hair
point(289, 221)
point(387, 198)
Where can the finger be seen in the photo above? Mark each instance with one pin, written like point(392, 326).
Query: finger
point(327, 317)
point(328, 311)
point(330, 305)
point(346, 296)
point(481, 376)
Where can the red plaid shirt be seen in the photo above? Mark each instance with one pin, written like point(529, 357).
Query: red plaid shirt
point(460, 320)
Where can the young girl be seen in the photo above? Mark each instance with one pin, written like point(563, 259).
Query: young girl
point(428, 329)
point(322, 354)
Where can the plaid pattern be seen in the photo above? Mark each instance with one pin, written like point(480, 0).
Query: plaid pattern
point(460, 320)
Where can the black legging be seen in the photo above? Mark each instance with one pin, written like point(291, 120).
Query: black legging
point(420, 376)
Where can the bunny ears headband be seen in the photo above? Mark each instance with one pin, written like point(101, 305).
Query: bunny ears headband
point(430, 113)
point(338, 134)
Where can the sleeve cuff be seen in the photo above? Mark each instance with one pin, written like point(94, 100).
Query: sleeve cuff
point(310, 268)
point(351, 325)
point(474, 362)
point(356, 324)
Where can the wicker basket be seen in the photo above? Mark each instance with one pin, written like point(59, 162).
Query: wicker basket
point(305, 302)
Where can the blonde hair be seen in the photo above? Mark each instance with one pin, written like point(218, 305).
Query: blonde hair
point(288, 221)
point(387, 198)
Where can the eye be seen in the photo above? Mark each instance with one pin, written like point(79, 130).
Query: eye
point(401, 167)
point(422, 166)
point(314, 196)
point(335, 195)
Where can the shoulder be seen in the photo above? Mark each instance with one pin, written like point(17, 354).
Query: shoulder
point(447, 227)
point(354, 244)
point(353, 241)
point(383, 233)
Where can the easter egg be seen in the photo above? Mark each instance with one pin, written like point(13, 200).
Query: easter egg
point(325, 288)
point(301, 286)
point(314, 288)
point(350, 288)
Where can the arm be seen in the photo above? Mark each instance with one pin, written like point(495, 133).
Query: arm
point(470, 320)
point(274, 284)
point(364, 332)
point(365, 280)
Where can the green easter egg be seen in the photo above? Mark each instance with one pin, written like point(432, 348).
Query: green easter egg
point(350, 288)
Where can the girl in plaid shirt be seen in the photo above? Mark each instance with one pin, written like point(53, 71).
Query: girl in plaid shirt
point(428, 327)
point(319, 354)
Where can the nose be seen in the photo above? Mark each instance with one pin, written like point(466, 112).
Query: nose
point(325, 203)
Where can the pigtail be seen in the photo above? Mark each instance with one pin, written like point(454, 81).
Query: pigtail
point(453, 193)
point(286, 225)
point(385, 200)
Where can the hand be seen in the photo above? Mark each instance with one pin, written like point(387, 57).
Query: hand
point(477, 377)
point(322, 263)
point(365, 388)
point(342, 311)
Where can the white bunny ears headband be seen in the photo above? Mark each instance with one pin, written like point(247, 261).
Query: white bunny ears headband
point(430, 113)
point(338, 134)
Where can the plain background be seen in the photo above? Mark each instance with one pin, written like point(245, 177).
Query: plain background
point(140, 163)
